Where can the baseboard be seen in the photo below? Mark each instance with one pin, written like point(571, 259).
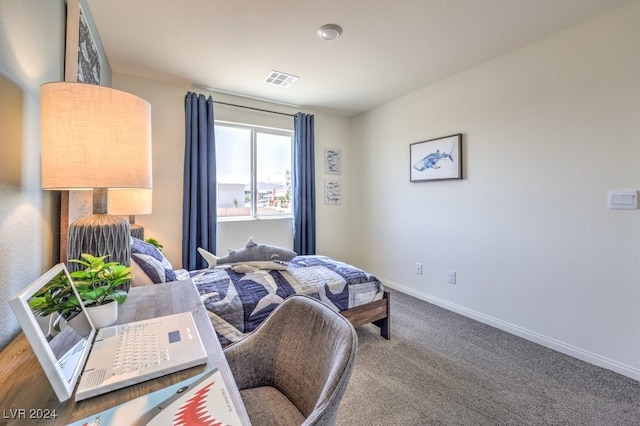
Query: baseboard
point(532, 336)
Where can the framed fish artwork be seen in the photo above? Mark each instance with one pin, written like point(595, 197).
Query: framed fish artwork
point(436, 159)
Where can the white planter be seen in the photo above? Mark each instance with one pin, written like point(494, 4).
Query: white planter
point(79, 323)
point(103, 315)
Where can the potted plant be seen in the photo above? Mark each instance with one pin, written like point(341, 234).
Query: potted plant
point(101, 286)
point(54, 303)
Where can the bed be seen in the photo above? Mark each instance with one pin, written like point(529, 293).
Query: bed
point(238, 300)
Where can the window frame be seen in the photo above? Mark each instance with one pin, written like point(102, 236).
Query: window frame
point(254, 130)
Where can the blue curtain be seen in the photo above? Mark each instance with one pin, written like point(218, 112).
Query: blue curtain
point(199, 192)
point(304, 192)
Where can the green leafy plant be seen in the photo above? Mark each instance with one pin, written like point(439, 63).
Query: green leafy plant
point(101, 282)
point(58, 297)
point(155, 243)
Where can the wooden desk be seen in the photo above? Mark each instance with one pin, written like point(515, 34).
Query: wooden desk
point(25, 392)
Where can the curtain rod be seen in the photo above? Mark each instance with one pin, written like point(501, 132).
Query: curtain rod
point(255, 109)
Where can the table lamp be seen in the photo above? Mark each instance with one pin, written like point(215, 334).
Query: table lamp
point(94, 137)
point(131, 202)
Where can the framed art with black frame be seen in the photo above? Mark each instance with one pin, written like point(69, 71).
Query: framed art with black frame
point(436, 159)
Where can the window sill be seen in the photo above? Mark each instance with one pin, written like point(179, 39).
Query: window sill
point(250, 218)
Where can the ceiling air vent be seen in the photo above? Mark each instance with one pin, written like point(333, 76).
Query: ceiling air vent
point(280, 79)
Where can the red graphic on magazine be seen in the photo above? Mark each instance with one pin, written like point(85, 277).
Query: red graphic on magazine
point(194, 412)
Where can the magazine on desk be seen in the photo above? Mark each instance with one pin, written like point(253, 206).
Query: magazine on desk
point(203, 399)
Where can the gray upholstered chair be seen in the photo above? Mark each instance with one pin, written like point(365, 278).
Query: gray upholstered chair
point(295, 367)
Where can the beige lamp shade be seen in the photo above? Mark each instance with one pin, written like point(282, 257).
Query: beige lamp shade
point(94, 137)
point(132, 201)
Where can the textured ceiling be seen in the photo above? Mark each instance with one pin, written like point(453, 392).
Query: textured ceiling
point(387, 49)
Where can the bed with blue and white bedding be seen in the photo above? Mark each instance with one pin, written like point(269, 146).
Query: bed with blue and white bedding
point(240, 290)
point(238, 302)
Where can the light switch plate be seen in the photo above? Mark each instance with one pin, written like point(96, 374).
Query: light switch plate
point(624, 199)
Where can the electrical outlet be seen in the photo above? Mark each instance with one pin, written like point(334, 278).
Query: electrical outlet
point(451, 277)
point(418, 268)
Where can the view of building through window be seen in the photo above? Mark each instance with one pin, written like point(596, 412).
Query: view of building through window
point(253, 167)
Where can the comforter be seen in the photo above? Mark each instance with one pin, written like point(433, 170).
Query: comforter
point(238, 302)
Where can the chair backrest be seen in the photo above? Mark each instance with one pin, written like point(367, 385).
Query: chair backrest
point(307, 352)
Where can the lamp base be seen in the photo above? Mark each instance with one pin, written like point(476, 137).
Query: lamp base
point(99, 235)
point(137, 231)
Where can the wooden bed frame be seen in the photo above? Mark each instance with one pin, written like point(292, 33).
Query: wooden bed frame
point(376, 312)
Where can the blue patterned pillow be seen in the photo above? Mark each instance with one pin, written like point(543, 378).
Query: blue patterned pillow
point(151, 262)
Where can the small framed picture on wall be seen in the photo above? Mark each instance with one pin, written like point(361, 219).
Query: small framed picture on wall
point(436, 159)
point(332, 192)
point(332, 161)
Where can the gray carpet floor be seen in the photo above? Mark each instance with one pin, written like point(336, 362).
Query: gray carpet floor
point(441, 368)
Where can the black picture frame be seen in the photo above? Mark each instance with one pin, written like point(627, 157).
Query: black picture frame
point(436, 159)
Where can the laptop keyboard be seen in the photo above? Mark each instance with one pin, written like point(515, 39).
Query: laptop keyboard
point(139, 348)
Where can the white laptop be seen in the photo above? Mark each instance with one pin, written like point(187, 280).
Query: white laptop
point(161, 346)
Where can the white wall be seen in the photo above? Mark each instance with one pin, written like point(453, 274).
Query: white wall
point(31, 53)
point(167, 116)
point(548, 130)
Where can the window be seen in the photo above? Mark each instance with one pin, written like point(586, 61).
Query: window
point(253, 166)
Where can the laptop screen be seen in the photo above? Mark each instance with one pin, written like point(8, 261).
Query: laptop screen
point(57, 330)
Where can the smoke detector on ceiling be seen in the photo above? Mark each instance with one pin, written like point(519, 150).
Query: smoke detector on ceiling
point(280, 79)
point(329, 31)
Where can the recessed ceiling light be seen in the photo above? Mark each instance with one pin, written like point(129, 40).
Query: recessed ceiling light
point(280, 79)
point(329, 31)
